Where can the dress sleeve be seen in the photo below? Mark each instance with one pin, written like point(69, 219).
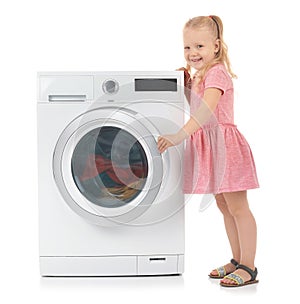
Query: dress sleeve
point(218, 78)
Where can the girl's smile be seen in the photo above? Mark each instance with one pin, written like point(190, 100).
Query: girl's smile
point(196, 59)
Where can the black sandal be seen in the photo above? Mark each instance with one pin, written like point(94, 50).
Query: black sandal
point(238, 280)
point(221, 270)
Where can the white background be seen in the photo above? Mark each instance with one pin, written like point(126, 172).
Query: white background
point(146, 35)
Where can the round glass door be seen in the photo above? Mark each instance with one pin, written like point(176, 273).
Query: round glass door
point(109, 167)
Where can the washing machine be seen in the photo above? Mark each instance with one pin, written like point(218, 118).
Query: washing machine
point(109, 203)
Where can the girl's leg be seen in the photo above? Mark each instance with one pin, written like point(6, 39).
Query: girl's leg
point(231, 231)
point(230, 226)
point(238, 207)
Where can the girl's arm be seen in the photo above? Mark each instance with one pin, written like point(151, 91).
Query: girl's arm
point(211, 98)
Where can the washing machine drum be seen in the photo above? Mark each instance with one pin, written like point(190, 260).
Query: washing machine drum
point(108, 169)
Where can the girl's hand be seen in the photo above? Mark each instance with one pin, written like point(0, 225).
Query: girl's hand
point(187, 77)
point(166, 141)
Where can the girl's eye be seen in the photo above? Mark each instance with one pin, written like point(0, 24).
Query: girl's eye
point(199, 46)
point(186, 47)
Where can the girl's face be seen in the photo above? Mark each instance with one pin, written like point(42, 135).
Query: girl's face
point(199, 47)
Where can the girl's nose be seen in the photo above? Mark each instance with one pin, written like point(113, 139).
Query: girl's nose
point(194, 52)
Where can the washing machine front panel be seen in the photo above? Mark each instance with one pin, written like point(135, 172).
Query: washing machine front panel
point(107, 167)
point(85, 121)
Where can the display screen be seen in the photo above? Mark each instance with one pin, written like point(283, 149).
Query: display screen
point(155, 84)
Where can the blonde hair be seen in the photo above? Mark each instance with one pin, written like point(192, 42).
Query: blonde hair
point(215, 25)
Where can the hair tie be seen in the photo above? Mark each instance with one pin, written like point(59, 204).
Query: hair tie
point(217, 25)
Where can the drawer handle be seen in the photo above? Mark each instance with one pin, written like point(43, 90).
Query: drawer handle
point(67, 97)
point(157, 259)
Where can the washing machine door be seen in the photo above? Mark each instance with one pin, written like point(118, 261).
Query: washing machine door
point(107, 166)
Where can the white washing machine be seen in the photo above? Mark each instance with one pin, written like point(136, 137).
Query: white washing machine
point(109, 203)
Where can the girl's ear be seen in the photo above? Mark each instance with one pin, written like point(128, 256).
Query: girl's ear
point(217, 46)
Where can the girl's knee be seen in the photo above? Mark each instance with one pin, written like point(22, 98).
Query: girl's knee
point(221, 203)
point(238, 208)
point(237, 203)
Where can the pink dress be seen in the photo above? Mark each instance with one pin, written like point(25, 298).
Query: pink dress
point(217, 156)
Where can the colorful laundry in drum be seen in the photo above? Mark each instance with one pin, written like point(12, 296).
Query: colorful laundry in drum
point(109, 162)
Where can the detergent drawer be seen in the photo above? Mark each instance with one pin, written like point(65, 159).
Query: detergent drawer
point(65, 88)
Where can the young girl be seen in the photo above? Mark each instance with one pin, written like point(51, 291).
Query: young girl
point(218, 159)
